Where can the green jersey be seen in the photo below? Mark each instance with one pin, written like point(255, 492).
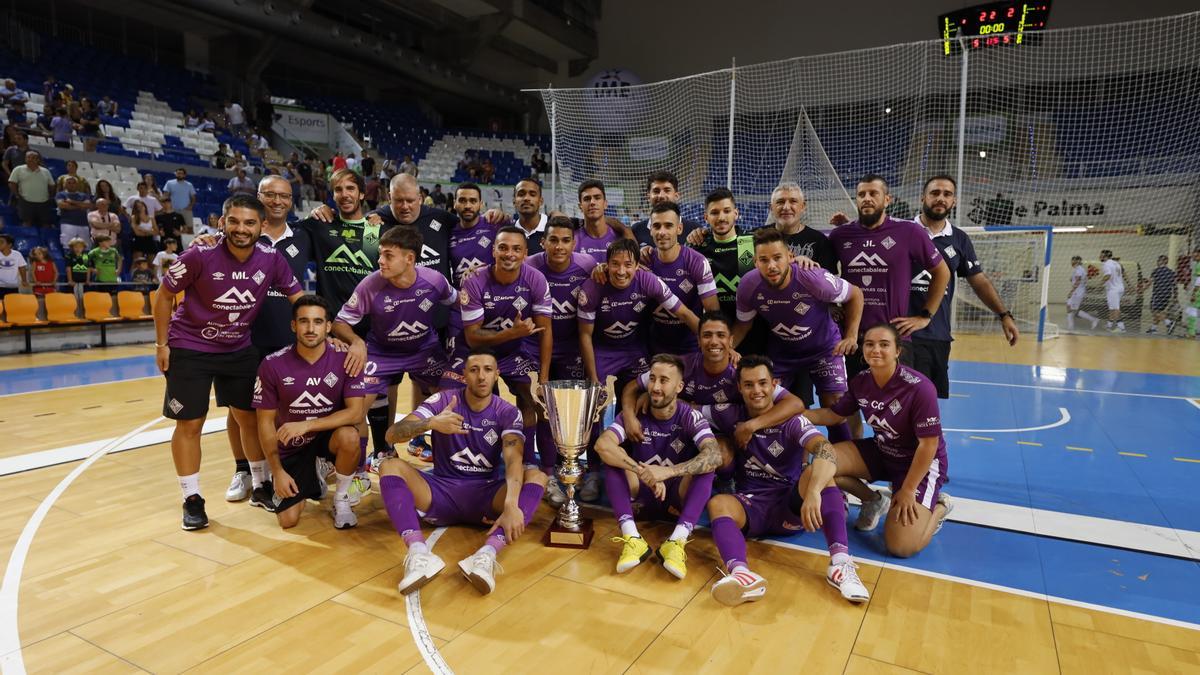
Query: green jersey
point(345, 251)
point(105, 261)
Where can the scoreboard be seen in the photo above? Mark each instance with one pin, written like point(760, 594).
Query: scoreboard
point(994, 24)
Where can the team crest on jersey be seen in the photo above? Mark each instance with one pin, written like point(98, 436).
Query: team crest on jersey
point(292, 251)
point(775, 448)
point(677, 445)
point(909, 377)
point(888, 243)
point(175, 406)
point(685, 285)
point(463, 298)
point(233, 316)
point(435, 226)
point(720, 397)
point(949, 252)
point(639, 307)
point(520, 304)
point(802, 308)
point(491, 436)
point(258, 277)
point(867, 280)
point(425, 305)
point(895, 407)
point(331, 379)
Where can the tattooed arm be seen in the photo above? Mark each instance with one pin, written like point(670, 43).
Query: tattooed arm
point(706, 461)
point(824, 466)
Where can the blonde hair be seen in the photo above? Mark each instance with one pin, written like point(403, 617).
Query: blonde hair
point(76, 240)
point(39, 250)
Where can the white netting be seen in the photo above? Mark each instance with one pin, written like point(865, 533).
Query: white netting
point(1094, 131)
point(1014, 261)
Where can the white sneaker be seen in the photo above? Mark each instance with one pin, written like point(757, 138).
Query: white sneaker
point(480, 569)
point(740, 586)
point(590, 491)
point(871, 512)
point(419, 569)
point(555, 495)
point(844, 577)
point(343, 515)
point(239, 487)
point(324, 468)
point(944, 500)
point(1095, 322)
point(360, 486)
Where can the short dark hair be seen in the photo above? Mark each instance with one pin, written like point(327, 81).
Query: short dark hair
point(768, 235)
point(244, 202)
point(715, 315)
point(669, 359)
point(940, 176)
point(562, 222)
point(889, 328)
point(662, 177)
point(170, 240)
point(512, 229)
point(468, 186)
point(348, 173)
point(623, 245)
point(753, 361)
point(480, 350)
point(8, 238)
point(718, 195)
point(535, 181)
point(1076, 257)
point(591, 183)
point(309, 300)
point(405, 238)
point(873, 177)
point(663, 207)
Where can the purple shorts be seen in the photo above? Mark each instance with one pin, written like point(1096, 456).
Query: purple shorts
point(514, 369)
point(625, 366)
point(567, 367)
point(384, 369)
point(768, 512)
point(883, 467)
point(461, 501)
point(828, 373)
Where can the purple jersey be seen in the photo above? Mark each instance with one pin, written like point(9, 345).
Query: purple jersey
point(223, 295)
point(667, 442)
point(564, 292)
point(701, 388)
point(471, 247)
point(597, 247)
point(401, 318)
point(904, 411)
point(480, 452)
point(622, 314)
point(495, 305)
point(690, 278)
point(797, 314)
point(298, 390)
point(773, 458)
point(880, 261)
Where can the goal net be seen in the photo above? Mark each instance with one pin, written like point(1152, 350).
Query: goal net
point(1016, 261)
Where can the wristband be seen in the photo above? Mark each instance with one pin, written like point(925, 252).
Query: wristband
point(1001, 315)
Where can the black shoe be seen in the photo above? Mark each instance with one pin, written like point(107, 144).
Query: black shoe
point(263, 497)
point(194, 517)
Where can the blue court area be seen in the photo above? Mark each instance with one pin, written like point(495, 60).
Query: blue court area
point(22, 380)
point(1000, 456)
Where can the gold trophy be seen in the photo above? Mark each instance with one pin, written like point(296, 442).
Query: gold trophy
point(572, 408)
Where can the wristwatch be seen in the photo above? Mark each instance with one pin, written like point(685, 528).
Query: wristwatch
point(1001, 315)
point(924, 314)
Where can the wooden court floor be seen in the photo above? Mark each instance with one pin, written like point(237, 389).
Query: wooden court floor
point(111, 584)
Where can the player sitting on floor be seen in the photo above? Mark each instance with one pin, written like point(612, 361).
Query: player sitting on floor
point(473, 432)
point(773, 495)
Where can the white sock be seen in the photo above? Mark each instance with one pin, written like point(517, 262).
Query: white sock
point(189, 485)
point(629, 529)
point(488, 549)
point(1121, 325)
point(680, 533)
point(1108, 325)
point(419, 547)
point(258, 472)
point(343, 485)
point(1070, 321)
point(839, 559)
point(739, 567)
point(1087, 317)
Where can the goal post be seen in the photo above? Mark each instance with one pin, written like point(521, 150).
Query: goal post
point(1017, 261)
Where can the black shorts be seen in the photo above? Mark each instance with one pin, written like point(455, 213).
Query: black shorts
point(855, 363)
point(931, 358)
point(191, 374)
point(35, 214)
point(1159, 304)
point(302, 467)
point(145, 245)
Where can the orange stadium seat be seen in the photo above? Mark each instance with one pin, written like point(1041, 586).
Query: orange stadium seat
point(131, 305)
point(22, 310)
point(97, 307)
point(60, 309)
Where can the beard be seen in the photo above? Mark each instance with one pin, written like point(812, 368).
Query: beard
point(931, 215)
point(870, 220)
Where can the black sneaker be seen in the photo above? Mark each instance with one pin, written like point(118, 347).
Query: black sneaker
point(194, 517)
point(264, 497)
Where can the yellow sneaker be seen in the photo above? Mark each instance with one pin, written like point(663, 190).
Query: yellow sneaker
point(674, 558)
point(633, 552)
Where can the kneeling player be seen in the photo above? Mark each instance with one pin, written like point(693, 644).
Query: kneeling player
point(317, 424)
point(670, 469)
point(772, 496)
point(471, 436)
point(908, 448)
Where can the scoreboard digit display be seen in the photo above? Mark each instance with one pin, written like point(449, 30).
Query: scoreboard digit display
point(995, 24)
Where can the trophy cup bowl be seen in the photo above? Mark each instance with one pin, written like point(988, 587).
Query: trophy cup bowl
point(572, 407)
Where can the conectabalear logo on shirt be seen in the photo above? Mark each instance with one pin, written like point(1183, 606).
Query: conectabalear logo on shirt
point(342, 255)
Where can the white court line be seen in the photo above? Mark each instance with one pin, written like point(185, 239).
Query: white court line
point(11, 661)
point(1077, 391)
point(1194, 402)
point(1064, 417)
point(416, 623)
point(80, 386)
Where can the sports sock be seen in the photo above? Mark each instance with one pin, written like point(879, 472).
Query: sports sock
point(1086, 317)
point(833, 521)
point(189, 485)
point(527, 501)
point(730, 542)
point(547, 450)
point(343, 485)
point(398, 500)
point(258, 472)
point(1070, 320)
point(697, 496)
point(241, 465)
point(1121, 325)
point(618, 495)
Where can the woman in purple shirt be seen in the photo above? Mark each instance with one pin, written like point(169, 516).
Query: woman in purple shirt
point(907, 450)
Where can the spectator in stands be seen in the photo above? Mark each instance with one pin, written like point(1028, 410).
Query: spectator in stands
point(145, 229)
point(236, 117)
point(181, 193)
point(213, 226)
point(305, 169)
point(220, 158)
point(241, 184)
point(75, 256)
point(51, 88)
point(538, 162)
point(338, 162)
point(107, 107)
point(141, 275)
point(73, 172)
point(207, 125)
point(17, 115)
point(372, 191)
point(102, 221)
point(426, 200)
point(259, 145)
point(73, 207)
point(11, 93)
point(32, 185)
point(165, 258)
point(61, 129)
point(104, 190)
point(487, 172)
point(409, 167)
point(143, 195)
point(12, 267)
point(321, 181)
point(89, 126)
point(468, 160)
point(239, 161)
point(368, 164)
point(171, 224)
point(352, 164)
point(43, 270)
point(291, 174)
point(191, 120)
point(152, 186)
point(439, 198)
point(14, 154)
point(104, 265)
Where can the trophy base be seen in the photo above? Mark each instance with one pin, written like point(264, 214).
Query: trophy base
point(558, 536)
